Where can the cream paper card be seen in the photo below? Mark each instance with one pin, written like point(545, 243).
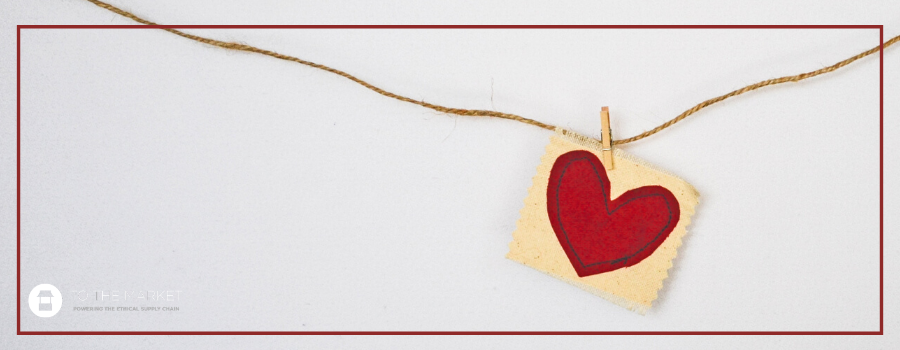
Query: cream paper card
point(535, 243)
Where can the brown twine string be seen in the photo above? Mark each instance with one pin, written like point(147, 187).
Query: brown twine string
point(485, 113)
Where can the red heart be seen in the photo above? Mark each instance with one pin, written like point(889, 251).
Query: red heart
point(600, 234)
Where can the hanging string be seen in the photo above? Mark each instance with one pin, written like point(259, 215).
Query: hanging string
point(495, 114)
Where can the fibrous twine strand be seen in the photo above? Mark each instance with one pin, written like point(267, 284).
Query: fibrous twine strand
point(486, 113)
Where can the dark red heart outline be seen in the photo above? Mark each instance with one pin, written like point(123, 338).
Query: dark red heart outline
point(644, 208)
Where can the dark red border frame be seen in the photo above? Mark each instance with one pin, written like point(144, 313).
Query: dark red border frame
point(880, 143)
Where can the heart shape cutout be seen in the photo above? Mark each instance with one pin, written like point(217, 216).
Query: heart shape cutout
point(597, 233)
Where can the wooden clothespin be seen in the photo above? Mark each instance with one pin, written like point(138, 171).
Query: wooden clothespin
point(606, 138)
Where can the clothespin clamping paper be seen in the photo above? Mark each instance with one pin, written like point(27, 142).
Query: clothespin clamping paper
point(606, 138)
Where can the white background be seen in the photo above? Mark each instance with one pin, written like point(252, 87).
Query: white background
point(278, 197)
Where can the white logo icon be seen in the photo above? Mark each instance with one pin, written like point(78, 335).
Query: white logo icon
point(45, 300)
